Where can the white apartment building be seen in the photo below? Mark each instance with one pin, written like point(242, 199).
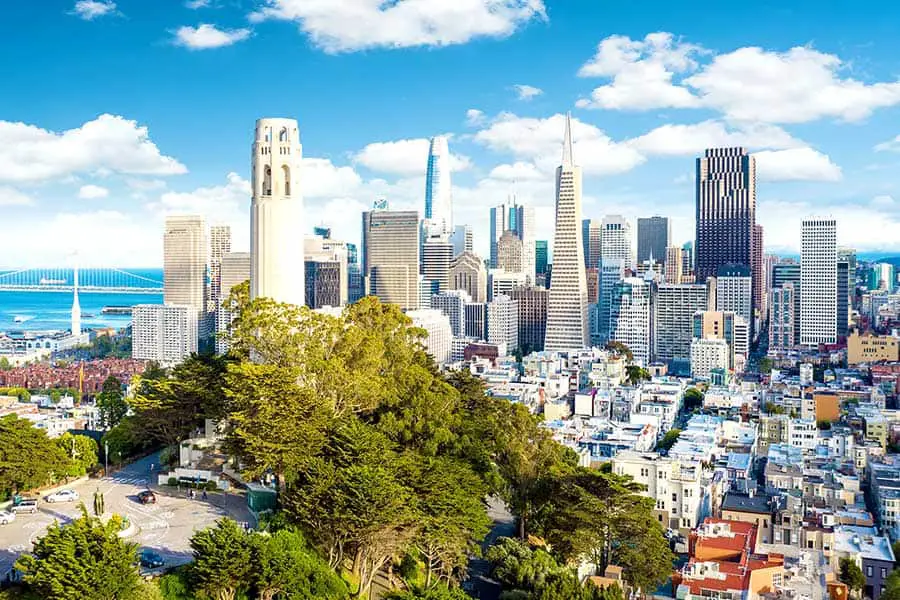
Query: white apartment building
point(630, 317)
point(439, 341)
point(818, 282)
point(503, 322)
point(661, 401)
point(453, 304)
point(675, 485)
point(803, 434)
point(165, 333)
point(708, 354)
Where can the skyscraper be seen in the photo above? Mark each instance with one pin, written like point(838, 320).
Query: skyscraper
point(503, 322)
point(219, 246)
point(687, 260)
point(653, 235)
point(567, 318)
point(843, 298)
point(789, 273)
point(390, 241)
point(734, 291)
point(462, 239)
point(541, 257)
point(726, 210)
point(510, 254)
point(818, 282)
point(235, 269)
point(184, 262)
point(276, 213)
point(590, 237)
point(437, 253)
point(467, 273)
point(453, 304)
point(616, 242)
point(532, 316)
point(520, 220)
point(630, 320)
point(438, 193)
point(673, 310)
point(674, 269)
point(165, 333)
point(781, 318)
point(757, 268)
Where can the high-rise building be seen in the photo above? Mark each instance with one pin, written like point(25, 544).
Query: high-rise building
point(467, 273)
point(541, 256)
point(734, 291)
point(219, 246)
point(503, 322)
point(781, 318)
point(687, 258)
point(757, 269)
point(631, 317)
point(326, 272)
point(592, 275)
point(611, 273)
point(437, 254)
point(726, 210)
point(520, 220)
point(510, 253)
point(784, 273)
point(653, 235)
point(616, 243)
point(674, 269)
point(453, 304)
point(843, 298)
point(276, 213)
point(590, 236)
point(726, 326)
point(439, 335)
point(818, 282)
point(882, 276)
point(532, 302)
point(184, 262)
point(165, 333)
point(356, 288)
point(390, 240)
point(438, 191)
point(501, 282)
point(476, 320)
point(462, 240)
point(567, 316)
point(673, 312)
point(234, 270)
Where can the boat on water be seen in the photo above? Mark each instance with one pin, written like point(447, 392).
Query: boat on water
point(116, 310)
point(21, 318)
point(85, 315)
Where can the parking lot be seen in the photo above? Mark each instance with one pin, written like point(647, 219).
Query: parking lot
point(165, 527)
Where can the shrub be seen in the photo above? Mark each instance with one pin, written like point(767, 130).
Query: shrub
point(172, 481)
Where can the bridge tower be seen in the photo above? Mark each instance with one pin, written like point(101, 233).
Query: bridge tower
point(76, 307)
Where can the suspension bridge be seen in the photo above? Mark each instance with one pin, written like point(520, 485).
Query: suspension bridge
point(106, 281)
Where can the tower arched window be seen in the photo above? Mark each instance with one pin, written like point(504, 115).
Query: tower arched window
point(267, 181)
point(287, 179)
point(283, 135)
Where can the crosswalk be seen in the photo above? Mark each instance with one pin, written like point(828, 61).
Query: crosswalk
point(128, 478)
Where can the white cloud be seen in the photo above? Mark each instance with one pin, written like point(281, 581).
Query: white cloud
point(145, 185)
point(403, 157)
point(519, 171)
point(884, 202)
point(195, 4)
point(748, 84)
point(107, 144)
point(352, 25)
point(91, 9)
point(205, 37)
point(680, 140)
point(322, 179)
point(474, 117)
point(91, 191)
point(540, 141)
point(641, 71)
point(13, 197)
point(796, 164)
point(889, 146)
point(527, 92)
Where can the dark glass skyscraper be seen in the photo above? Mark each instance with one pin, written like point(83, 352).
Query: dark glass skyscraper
point(653, 235)
point(541, 255)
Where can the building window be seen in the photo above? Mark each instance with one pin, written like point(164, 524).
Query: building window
point(883, 573)
point(869, 571)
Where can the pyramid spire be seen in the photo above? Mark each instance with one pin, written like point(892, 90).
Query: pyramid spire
point(568, 157)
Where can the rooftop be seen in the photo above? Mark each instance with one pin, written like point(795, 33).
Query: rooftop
point(755, 503)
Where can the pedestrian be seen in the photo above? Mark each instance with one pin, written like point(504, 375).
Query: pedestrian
point(191, 494)
point(204, 496)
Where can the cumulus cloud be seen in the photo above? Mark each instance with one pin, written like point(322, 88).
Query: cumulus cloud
point(475, 117)
point(353, 25)
point(747, 84)
point(91, 192)
point(403, 157)
point(206, 37)
point(540, 141)
point(796, 164)
point(889, 146)
point(107, 144)
point(12, 197)
point(92, 9)
point(681, 140)
point(195, 4)
point(527, 92)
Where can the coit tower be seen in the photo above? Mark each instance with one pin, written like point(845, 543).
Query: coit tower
point(276, 213)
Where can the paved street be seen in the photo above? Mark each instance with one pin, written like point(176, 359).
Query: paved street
point(166, 527)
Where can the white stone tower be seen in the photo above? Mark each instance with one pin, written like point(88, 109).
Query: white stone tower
point(276, 213)
point(567, 315)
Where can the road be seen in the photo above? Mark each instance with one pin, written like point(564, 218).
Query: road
point(479, 582)
point(165, 527)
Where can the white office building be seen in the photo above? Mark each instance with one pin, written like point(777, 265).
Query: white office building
point(734, 291)
point(440, 334)
point(818, 282)
point(630, 320)
point(708, 354)
point(503, 321)
point(616, 241)
point(453, 304)
point(165, 333)
point(234, 270)
point(502, 282)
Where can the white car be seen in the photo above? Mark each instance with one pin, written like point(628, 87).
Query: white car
point(62, 496)
point(7, 517)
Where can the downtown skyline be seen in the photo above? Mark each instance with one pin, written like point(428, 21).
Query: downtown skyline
point(105, 186)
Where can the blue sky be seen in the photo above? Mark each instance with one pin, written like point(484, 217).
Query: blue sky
point(115, 113)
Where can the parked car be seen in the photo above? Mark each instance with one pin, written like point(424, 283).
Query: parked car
point(147, 497)
point(62, 496)
point(151, 560)
point(26, 505)
point(7, 517)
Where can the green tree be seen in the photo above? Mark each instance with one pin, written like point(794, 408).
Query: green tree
point(693, 398)
point(437, 592)
point(222, 561)
point(620, 349)
point(851, 574)
point(111, 403)
point(84, 559)
point(892, 585)
point(668, 440)
point(285, 567)
point(634, 374)
point(82, 452)
point(765, 365)
point(5, 364)
point(28, 458)
point(896, 548)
